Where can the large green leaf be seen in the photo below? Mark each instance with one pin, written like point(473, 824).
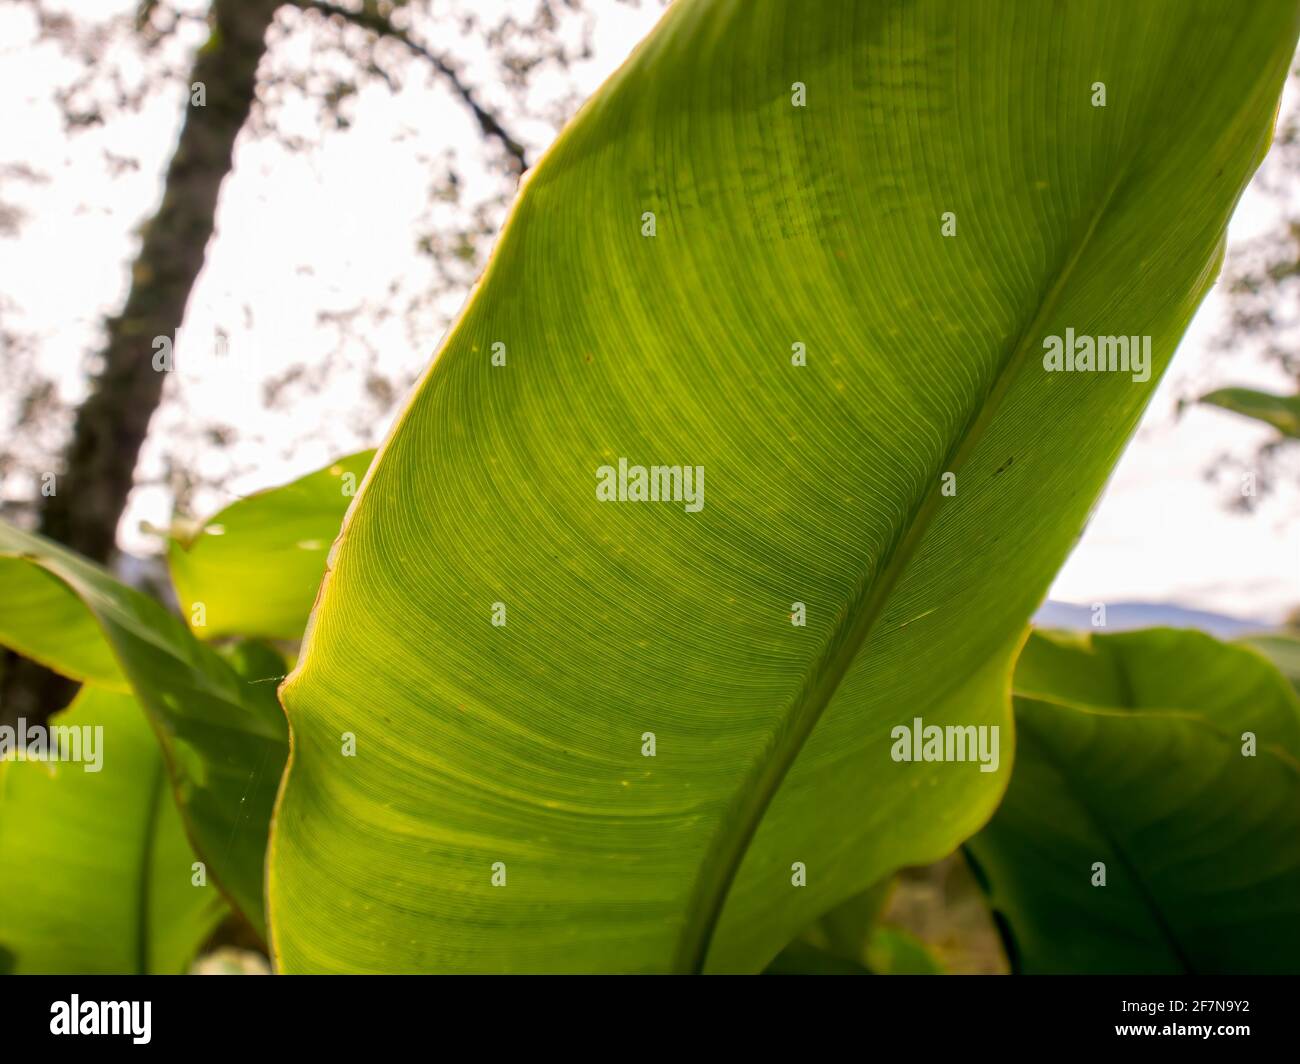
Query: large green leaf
point(254, 567)
point(1280, 411)
point(96, 873)
point(222, 733)
point(1131, 752)
point(779, 231)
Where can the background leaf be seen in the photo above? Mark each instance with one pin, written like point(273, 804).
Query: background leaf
point(224, 738)
point(893, 951)
point(1162, 668)
point(1280, 411)
point(1282, 650)
point(835, 943)
point(255, 566)
point(1130, 753)
point(775, 225)
point(41, 620)
point(803, 958)
point(95, 867)
point(851, 940)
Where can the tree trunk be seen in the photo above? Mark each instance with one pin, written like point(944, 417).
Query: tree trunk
point(110, 426)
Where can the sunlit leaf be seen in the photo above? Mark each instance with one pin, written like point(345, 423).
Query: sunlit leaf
point(96, 873)
point(735, 261)
point(254, 567)
point(222, 733)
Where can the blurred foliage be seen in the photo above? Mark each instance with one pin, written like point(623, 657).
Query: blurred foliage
point(1152, 824)
point(223, 733)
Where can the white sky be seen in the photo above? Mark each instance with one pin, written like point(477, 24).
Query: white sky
point(1161, 533)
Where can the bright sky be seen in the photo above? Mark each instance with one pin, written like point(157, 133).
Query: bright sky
point(1161, 533)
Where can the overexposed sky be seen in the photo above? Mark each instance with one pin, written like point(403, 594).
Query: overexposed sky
point(299, 232)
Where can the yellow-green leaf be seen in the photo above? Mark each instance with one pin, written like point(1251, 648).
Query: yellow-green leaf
point(1280, 411)
point(96, 873)
point(222, 734)
point(817, 251)
point(254, 567)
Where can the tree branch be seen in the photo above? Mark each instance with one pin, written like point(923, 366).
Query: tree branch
point(382, 27)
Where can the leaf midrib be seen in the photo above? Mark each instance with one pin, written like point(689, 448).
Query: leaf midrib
point(726, 852)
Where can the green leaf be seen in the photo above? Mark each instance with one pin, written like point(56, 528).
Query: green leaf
point(1131, 753)
point(95, 869)
point(1280, 411)
point(803, 958)
point(41, 621)
point(1162, 668)
point(223, 736)
point(255, 566)
point(849, 940)
point(893, 951)
point(835, 943)
point(846, 929)
point(1282, 650)
point(777, 229)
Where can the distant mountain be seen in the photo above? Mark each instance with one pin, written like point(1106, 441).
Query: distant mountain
point(1123, 616)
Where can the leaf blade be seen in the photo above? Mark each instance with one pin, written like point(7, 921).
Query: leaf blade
point(95, 867)
point(519, 744)
point(1199, 841)
point(224, 738)
point(1282, 412)
point(255, 565)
